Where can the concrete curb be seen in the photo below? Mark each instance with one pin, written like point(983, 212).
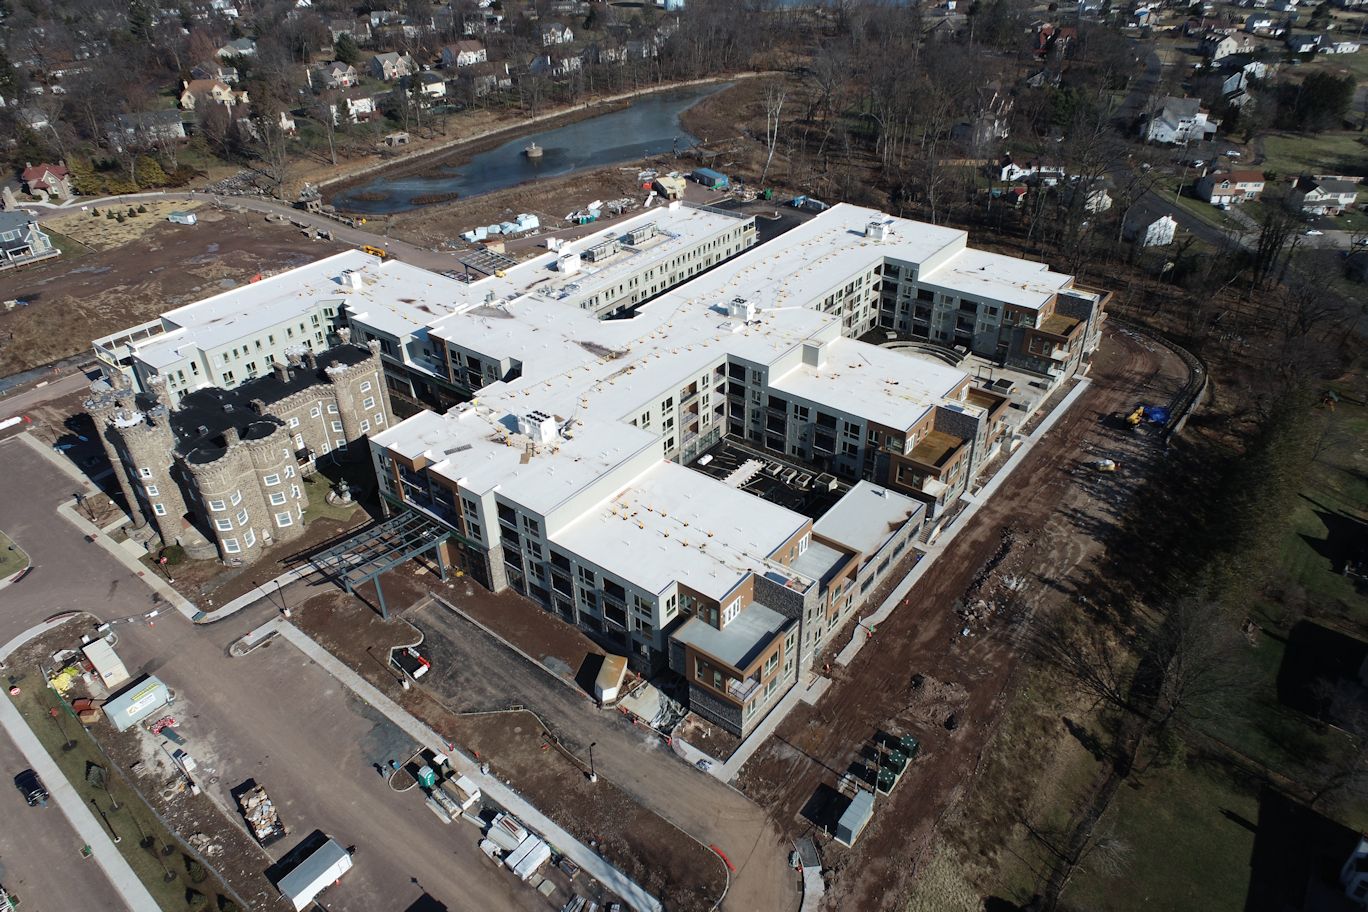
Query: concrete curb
point(10, 580)
point(605, 873)
point(116, 868)
point(249, 598)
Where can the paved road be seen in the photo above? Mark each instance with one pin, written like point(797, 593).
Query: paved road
point(69, 573)
point(474, 671)
point(40, 858)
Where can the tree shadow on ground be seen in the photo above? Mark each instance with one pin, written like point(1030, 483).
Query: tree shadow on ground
point(1293, 845)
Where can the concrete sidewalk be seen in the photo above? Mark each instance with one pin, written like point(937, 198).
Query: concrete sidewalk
point(580, 854)
point(60, 791)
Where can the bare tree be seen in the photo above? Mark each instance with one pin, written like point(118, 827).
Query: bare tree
point(273, 143)
point(774, 106)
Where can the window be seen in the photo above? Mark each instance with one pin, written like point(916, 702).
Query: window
point(250, 538)
point(223, 525)
point(586, 576)
point(294, 422)
point(366, 388)
point(277, 498)
point(289, 471)
point(530, 526)
point(337, 427)
point(731, 612)
point(340, 444)
point(271, 480)
point(284, 519)
point(379, 419)
point(145, 473)
point(365, 425)
point(242, 517)
point(474, 530)
point(299, 441)
point(314, 412)
point(217, 505)
point(236, 498)
point(153, 490)
point(294, 491)
point(231, 545)
point(369, 403)
point(332, 410)
point(227, 376)
point(159, 509)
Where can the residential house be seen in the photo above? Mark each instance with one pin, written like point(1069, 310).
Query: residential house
point(21, 241)
point(1042, 78)
point(463, 53)
point(1096, 199)
point(357, 104)
point(242, 47)
point(989, 121)
point(556, 33)
point(391, 66)
point(639, 49)
point(147, 127)
point(1009, 172)
point(432, 85)
point(1221, 188)
point(212, 70)
point(1178, 121)
point(1342, 47)
point(609, 50)
point(484, 79)
point(556, 66)
point(1322, 197)
point(339, 75)
point(1051, 40)
point(1304, 44)
point(209, 91)
point(1197, 27)
point(483, 22)
point(1151, 232)
point(1259, 24)
point(1219, 45)
point(45, 180)
point(34, 118)
point(384, 17)
point(358, 29)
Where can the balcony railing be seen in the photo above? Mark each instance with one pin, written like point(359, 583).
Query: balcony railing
point(742, 690)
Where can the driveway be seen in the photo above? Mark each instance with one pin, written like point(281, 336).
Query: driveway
point(69, 573)
point(40, 852)
point(473, 671)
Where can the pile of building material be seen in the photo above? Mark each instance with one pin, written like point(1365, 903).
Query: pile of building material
point(261, 816)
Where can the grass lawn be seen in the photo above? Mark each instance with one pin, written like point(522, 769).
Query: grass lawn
point(12, 557)
point(70, 247)
point(1330, 153)
point(134, 820)
point(1187, 853)
point(317, 485)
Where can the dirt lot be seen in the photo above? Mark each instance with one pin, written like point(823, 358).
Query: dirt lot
point(161, 267)
point(550, 200)
point(654, 853)
point(1008, 565)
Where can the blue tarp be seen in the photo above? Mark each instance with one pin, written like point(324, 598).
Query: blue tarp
point(1157, 413)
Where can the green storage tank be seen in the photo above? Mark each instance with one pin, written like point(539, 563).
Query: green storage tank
point(887, 779)
point(909, 746)
point(895, 761)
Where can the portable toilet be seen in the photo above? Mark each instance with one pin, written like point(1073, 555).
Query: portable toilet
point(427, 776)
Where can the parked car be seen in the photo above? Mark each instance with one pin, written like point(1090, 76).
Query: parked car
point(1232, 153)
point(1313, 233)
point(32, 788)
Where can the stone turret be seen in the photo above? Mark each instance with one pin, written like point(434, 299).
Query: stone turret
point(107, 411)
point(354, 386)
point(150, 444)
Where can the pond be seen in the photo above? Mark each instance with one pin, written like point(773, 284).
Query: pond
point(650, 126)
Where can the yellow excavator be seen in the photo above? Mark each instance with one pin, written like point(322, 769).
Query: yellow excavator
point(1134, 418)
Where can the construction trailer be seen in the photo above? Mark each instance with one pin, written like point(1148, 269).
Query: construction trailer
point(136, 703)
point(324, 867)
point(106, 664)
point(711, 179)
point(608, 683)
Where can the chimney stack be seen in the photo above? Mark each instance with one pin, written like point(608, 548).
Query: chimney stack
point(310, 359)
point(230, 436)
point(282, 371)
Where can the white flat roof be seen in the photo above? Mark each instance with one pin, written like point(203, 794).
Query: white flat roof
point(739, 642)
point(673, 524)
point(980, 274)
point(866, 517)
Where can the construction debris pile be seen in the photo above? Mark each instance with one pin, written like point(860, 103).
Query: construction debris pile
point(261, 815)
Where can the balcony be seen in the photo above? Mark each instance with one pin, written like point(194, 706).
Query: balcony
point(742, 690)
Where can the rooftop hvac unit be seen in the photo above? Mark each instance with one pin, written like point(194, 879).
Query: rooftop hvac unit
point(641, 233)
point(600, 252)
point(875, 231)
point(538, 426)
point(351, 278)
point(740, 307)
point(568, 263)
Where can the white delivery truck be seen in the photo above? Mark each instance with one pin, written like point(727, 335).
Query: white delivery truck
point(324, 866)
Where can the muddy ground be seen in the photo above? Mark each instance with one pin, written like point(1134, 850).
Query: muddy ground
point(134, 279)
point(1007, 567)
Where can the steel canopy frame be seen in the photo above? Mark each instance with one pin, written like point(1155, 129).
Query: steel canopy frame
point(365, 556)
